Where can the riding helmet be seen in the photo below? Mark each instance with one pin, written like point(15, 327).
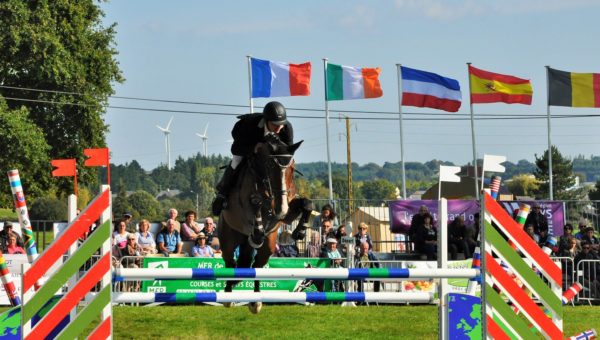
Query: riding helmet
point(274, 112)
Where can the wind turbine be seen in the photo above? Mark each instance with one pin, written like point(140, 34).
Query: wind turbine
point(167, 133)
point(204, 140)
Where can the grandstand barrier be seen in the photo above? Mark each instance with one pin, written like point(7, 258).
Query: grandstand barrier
point(140, 274)
point(272, 297)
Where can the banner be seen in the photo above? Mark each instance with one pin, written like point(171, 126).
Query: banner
point(402, 212)
point(198, 286)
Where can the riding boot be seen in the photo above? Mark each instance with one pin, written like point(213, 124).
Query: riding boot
point(223, 188)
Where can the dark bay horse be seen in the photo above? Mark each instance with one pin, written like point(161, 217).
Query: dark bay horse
point(263, 198)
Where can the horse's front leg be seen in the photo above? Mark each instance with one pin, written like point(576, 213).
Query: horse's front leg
point(260, 260)
point(299, 207)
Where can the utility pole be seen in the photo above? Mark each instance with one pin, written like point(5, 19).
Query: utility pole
point(348, 153)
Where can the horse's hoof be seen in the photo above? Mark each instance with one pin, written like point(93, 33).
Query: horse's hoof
point(228, 304)
point(256, 243)
point(299, 233)
point(255, 307)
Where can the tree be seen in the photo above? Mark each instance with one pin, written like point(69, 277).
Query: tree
point(23, 148)
point(61, 49)
point(50, 209)
point(380, 189)
point(523, 185)
point(595, 193)
point(562, 175)
point(144, 205)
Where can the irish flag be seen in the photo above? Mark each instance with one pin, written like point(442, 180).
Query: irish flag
point(279, 79)
point(347, 82)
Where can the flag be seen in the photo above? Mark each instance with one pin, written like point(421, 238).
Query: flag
point(488, 87)
point(573, 89)
point(426, 89)
point(64, 167)
point(493, 163)
point(96, 157)
point(278, 79)
point(449, 173)
point(347, 82)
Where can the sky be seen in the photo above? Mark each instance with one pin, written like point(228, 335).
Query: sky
point(195, 52)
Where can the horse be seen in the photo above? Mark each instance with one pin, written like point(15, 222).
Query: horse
point(263, 198)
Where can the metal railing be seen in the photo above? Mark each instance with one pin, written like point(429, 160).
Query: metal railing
point(587, 276)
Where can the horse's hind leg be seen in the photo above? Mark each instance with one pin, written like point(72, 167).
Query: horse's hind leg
point(302, 207)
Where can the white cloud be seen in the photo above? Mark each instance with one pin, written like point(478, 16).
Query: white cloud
point(450, 10)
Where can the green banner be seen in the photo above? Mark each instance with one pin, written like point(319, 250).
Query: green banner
point(198, 286)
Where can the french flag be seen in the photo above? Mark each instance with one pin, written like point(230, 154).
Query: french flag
point(278, 79)
point(426, 89)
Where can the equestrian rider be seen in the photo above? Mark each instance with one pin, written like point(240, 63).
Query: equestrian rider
point(248, 133)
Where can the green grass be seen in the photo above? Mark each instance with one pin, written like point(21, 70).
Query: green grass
point(296, 321)
point(8, 215)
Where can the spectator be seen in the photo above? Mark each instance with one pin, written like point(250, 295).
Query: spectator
point(145, 240)
point(327, 230)
point(209, 231)
point(417, 221)
point(287, 245)
point(5, 234)
point(366, 259)
point(314, 246)
point(564, 242)
point(339, 233)
point(572, 249)
point(362, 236)
point(132, 249)
point(537, 219)
point(582, 226)
point(12, 247)
point(327, 214)
point(426, 238)
point(201, 249)
point(589, 269)
point(120, 236)
point(472, 234)
point(127, 218)
point(172, 215)
point(457, 238)
point(529, 229)
point(190, 229)
point(543, 238)
point(169, 241)
point(332, 253)
point(589, 237)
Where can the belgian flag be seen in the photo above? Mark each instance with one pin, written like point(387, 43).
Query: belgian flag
point(573, 89)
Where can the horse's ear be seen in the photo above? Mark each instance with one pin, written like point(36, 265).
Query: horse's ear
point(292, 148)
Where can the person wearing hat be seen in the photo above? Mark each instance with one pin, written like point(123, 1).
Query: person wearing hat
point(128, 222)
point(248, 132)
point(201, 249)
point(333, 254)
point(537, 219)
point(6, 233)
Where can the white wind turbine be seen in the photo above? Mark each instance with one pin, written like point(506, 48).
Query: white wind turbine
point(204, 140)
point(167, 133)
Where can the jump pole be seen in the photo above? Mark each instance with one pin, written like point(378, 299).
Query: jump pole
point(272, 296)
point(145, 274)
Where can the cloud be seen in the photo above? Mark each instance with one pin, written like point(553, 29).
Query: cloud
point(451, 10)
point(359, 16)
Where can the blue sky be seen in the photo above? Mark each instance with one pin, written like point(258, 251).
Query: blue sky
point(196, 51)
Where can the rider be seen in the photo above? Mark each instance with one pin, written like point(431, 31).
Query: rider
point(248, 133)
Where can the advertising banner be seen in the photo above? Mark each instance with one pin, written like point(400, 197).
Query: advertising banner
point(198, 286)
point(402, 212)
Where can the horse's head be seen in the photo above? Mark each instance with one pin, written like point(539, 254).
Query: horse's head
point(273, 164)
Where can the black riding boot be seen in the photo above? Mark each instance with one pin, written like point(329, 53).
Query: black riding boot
point(220, 202)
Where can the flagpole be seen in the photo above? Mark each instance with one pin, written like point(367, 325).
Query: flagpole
point(327, 132)
point(550, 180)
point(473, 135)
point(249, 57)
point(399, 74)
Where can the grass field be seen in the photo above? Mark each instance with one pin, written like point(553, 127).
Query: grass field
point(299, 322)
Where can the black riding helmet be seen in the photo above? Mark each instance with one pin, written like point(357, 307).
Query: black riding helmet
point(274, 112)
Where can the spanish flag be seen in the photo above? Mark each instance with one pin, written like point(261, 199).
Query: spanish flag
point(489, 87)
point(573, 89)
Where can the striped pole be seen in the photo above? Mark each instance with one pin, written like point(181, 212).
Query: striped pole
point(149, 274)
point(524, 210)
point(23, 213)
point(495, 186)
point(571, 292)
point(475, 264)
point(272, 296)
point(7, 282)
